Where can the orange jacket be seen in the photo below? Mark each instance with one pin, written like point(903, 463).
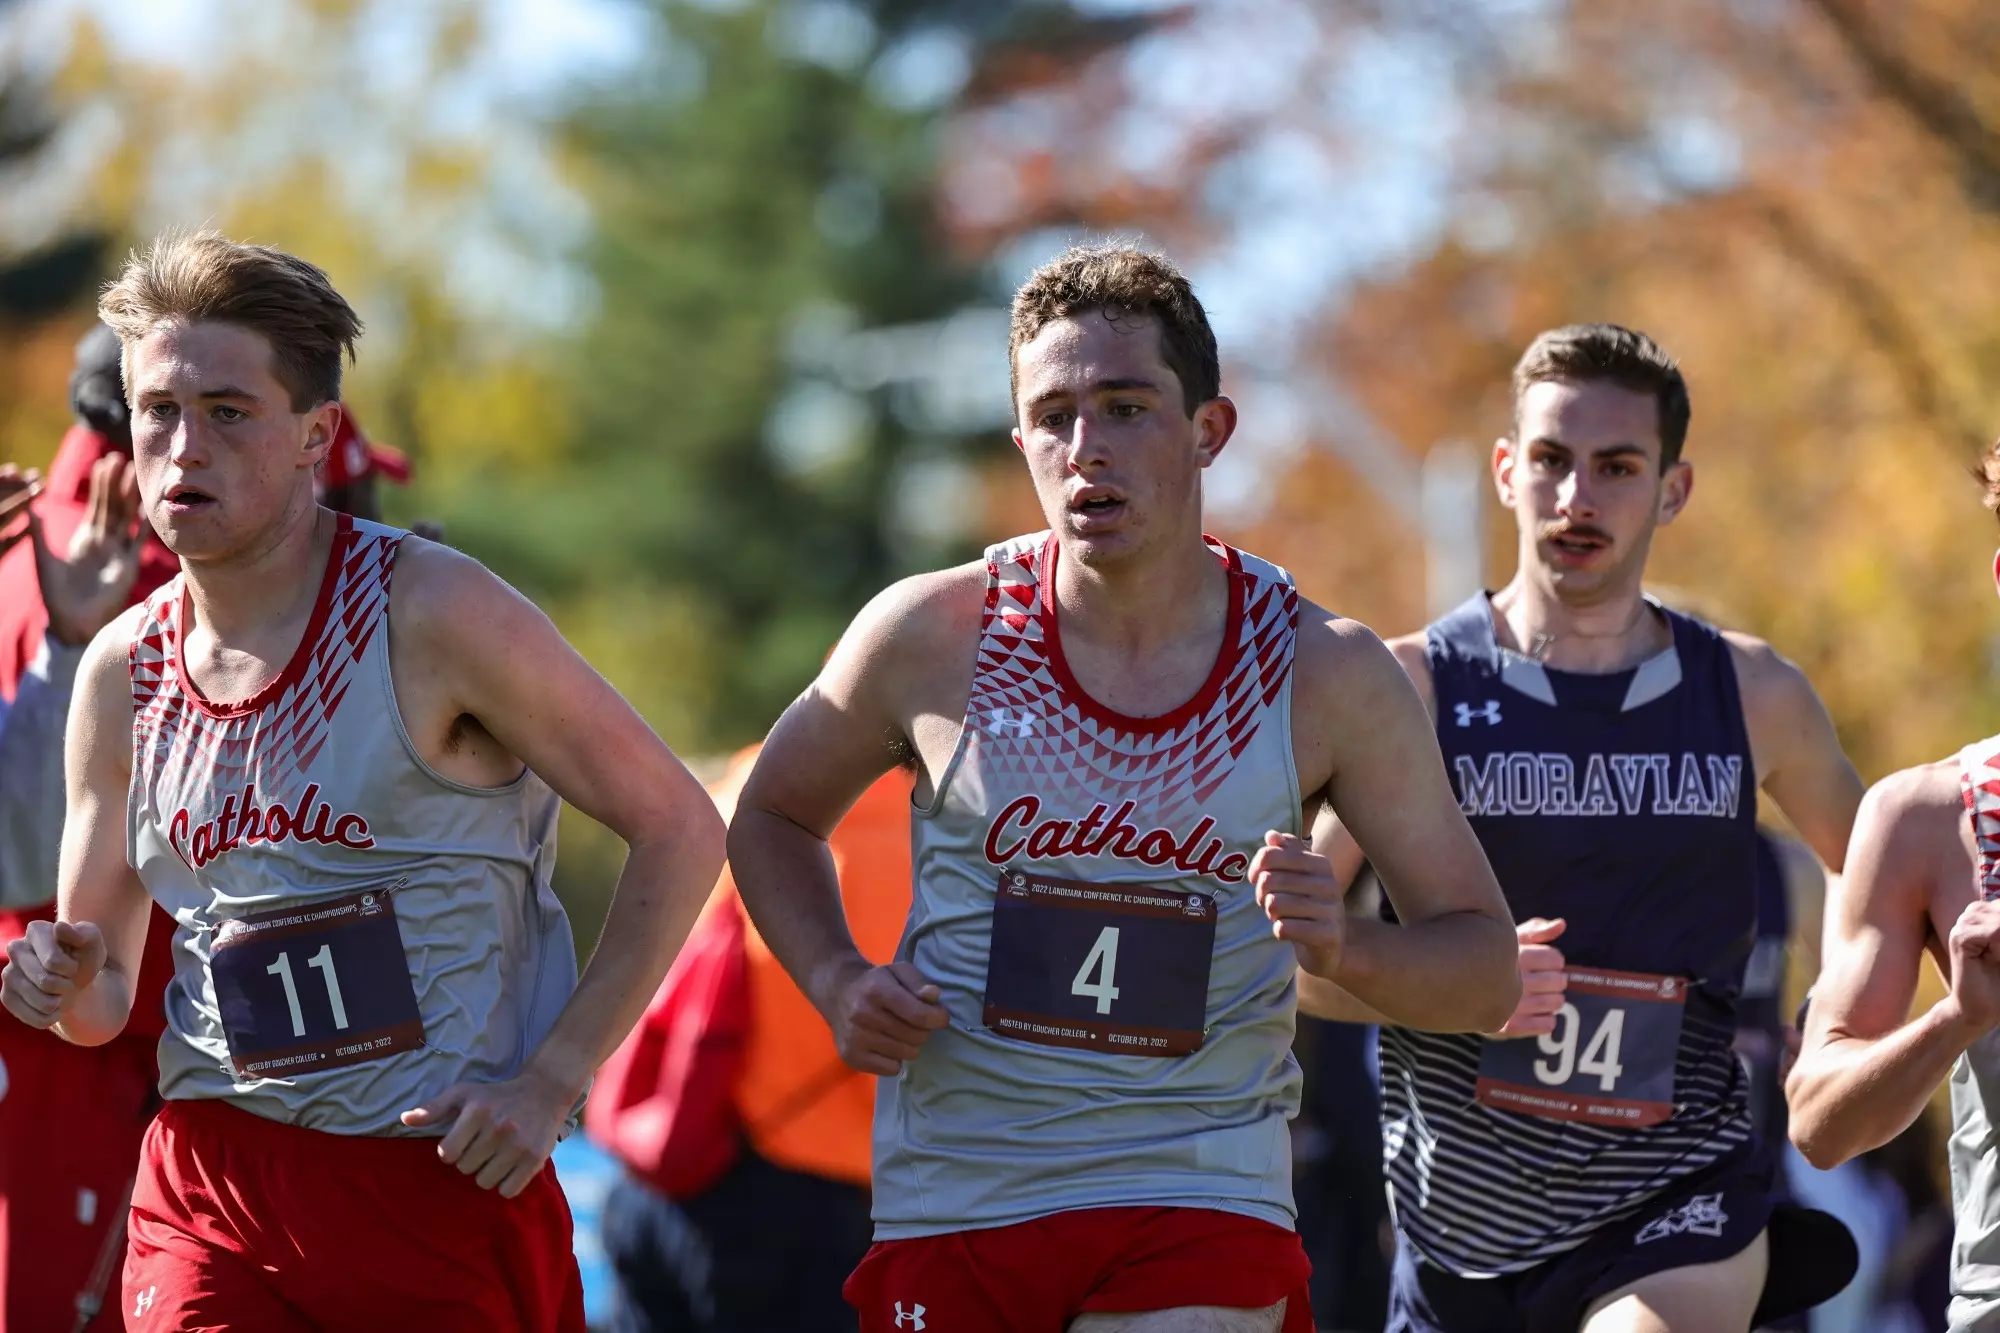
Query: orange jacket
point(801, 1106)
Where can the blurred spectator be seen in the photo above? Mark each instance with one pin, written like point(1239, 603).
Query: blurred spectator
point(766, 1244)
point(1337, 1161)
point(70, 1117)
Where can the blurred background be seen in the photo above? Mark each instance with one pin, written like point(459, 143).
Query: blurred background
point(691, 313)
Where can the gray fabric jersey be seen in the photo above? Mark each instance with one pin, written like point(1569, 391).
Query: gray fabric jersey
point(1974, 1151)
point(280, 807)
point(990, 1127)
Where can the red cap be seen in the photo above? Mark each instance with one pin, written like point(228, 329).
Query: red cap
point(355, 456)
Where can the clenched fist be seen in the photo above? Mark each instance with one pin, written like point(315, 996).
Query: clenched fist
point(1299, 892)
point(882, 1016)
point(48, 968)
point(1543, 980)
point(1975, 964)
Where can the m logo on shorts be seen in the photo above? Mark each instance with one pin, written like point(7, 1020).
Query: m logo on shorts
point(911, 1318)
point(144, 1302)
point(1702, 1215)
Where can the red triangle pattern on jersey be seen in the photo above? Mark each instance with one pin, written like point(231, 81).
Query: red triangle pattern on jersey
point(1032, 736)
point(1979, 779)
point(177, 744)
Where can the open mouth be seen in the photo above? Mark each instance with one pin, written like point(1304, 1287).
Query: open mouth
point(183, 498)
point(1096, 503)
point(1579, 544)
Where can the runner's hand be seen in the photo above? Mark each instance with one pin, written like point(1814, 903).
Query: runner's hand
point(1975, 964)
point(48, 968)
point(501, 1133)
point(17, 488)
point(87, 588)
point(882, 1017)
point(1299, 892)
point(1542, 979)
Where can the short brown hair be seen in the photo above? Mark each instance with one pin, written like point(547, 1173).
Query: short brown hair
point(203, 275)
point(1987, 473)
point(1122, 281)
point(1579, 353)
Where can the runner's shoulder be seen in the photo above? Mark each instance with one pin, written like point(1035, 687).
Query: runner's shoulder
point(1925, 802)
point(440, 596)
point(925, 620)
point(1337, 654)
point(1762, 670)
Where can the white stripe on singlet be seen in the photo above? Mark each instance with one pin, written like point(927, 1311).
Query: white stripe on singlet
point(1481, 1192)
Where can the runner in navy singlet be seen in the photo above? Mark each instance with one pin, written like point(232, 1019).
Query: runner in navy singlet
point(1594, 1165)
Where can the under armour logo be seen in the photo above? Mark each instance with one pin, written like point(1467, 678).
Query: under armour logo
point(914, 1316)
point(1466, 712)
point(1003, 720)
point(145, 1301)
point(1703, 1213)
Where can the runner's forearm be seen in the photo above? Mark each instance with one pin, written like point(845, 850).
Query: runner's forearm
point(1320, 998)
point(1850, 1094)
point(654, 906)
point(1453, 973)
point(100, 1012)
point(789, 886)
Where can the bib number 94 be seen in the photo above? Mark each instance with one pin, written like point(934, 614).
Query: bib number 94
point(1610, 1059)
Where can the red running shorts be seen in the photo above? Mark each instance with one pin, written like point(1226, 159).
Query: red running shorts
point(239, 1222)
point(1035, 1277)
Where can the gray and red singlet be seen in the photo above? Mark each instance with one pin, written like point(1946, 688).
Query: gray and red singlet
point(1121, 1017)
point(356, 931)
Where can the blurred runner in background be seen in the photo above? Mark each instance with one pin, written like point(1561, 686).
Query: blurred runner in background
point(768, 1242)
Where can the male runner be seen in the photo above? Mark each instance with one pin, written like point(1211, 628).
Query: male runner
point(332, 752)
point(1609, 752)
point(1121, 730)
point(1923, 877)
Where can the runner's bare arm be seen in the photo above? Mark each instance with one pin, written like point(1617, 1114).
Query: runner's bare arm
point(77, 972)
point(1799, 759)
point(1449, 963)
point(499, 661)
point(1864, 1073)
point(898, 678)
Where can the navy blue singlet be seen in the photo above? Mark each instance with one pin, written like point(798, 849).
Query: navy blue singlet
point(1624, 803)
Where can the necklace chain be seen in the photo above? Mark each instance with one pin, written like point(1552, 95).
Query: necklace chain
point(1543, 641)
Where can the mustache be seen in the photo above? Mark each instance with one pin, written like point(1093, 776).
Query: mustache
point(1553, 530)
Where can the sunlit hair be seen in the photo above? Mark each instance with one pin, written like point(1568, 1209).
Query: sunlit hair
point(1987, 473)
point(1580, 353)
point(201, 276)
point(1124, 282)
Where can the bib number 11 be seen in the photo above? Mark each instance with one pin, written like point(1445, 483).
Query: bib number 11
point(323, 960)
point(1103, 960)
point(1600, 1053)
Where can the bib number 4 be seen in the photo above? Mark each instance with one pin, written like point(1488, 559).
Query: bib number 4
point(1102, 959)
point(1120, 968)
point(1610, 1059)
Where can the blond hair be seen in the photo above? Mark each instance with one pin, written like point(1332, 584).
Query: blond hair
point(200, 276)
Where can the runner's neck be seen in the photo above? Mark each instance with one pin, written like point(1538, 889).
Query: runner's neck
point(245, 603)
point(1610, 633)
point(1146, 606)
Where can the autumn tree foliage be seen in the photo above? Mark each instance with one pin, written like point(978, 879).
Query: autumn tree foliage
point(1800, 198)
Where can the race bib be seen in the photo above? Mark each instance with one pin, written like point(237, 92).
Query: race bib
point(314, 987)
point(1609, 1061)
point(1101, 967)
